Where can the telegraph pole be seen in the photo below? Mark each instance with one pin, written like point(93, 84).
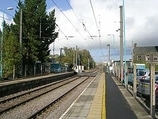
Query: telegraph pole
point(40, 29)
point(21, 48)
point(76, 56)
point(88, 63)
point(54, 52)
point(60, 54)
point(73, 58)
point(20, 28)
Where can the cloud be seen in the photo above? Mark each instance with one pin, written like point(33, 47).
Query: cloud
point(103, 21)
point(141, 23)
point(6, 18)
point(1, 19)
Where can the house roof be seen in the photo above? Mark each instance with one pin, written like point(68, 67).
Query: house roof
point(145, 50)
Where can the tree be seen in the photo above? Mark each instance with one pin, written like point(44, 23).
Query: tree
point(47, 36)
point(69, 57)
point(38, 31)
point(11, 52)
point(0, 33)
point(85, 56)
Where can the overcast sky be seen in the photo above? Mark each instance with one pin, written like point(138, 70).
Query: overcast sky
point(85, 18)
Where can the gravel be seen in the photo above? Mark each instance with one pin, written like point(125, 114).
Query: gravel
point(24, 111)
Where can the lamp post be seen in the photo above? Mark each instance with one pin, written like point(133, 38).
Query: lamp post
point(60, 54)
point(1, 67)
point(109, 58)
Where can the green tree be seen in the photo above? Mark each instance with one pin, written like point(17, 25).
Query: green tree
point(47, 36)
point(85, 56)
point(11, 52)
point(69, 56)
point(38, 31)
point(0, 33)
point(82, 57)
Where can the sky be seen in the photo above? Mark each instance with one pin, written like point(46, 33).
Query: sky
point(78, 20)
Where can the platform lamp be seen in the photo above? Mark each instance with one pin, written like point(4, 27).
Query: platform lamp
point(1, 65)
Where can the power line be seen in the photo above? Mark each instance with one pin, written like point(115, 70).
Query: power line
point(71, 23)
point(98, 27)
point(94, 15)
point(6, 18)
point(84, 26)
point(62, 44)
point(67, 37)
point(68, 19)
point(6, 12)
point(61, 31)
point(79, 19)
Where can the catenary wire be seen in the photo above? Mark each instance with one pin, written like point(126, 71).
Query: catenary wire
point(84, 26)
point(98, 27)
point(71, 22)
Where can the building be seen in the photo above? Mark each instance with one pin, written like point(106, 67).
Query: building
point(145, 54)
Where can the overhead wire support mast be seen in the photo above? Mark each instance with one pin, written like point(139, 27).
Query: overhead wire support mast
point(124, 39)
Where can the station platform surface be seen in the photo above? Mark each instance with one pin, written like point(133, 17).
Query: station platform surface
point(120, 103)
point(106, 98)
point(91, 103)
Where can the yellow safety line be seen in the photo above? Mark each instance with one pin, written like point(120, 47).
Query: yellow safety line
point(103, 99)
point(98, 103)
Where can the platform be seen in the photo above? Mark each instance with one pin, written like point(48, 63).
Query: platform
point(91, 103)
point(106, 98)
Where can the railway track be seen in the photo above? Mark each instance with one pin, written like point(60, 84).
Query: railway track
point(22, 93)
point(21, 98)
point(61, 97)
point(34, 102)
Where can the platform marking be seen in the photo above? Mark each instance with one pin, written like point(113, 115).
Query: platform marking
point(103, 98)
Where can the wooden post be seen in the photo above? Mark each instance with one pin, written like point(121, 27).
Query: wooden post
point(152, 90)
point(134, 81)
